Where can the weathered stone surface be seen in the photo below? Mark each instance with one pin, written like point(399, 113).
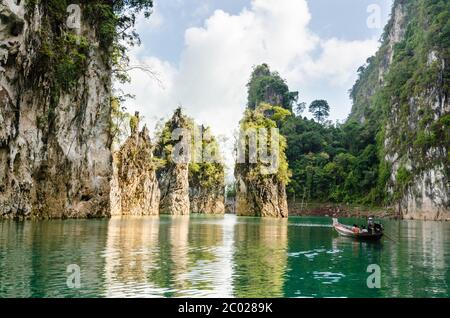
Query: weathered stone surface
point(230, 205)
point(173, 177)
point(205, 200)
point(134, 188)
point(265, 197)
point(174, 186)
point(428, 198)
point(55, 162)
point(425, 194)
point(261, 182)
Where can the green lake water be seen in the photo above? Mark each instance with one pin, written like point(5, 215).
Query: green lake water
point(206, 256)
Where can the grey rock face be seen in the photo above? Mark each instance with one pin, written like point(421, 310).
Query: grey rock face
point(207, 200)
point(134, 189)
point(173, 177)
point(55, 162)
point(426, 192)
point(174, 185)
point(264, 197)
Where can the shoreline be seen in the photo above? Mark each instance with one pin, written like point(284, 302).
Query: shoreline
point(295, 209)
point(340, 210)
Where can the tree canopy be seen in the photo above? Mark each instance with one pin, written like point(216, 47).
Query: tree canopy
point(320, 110)
point(268, 87)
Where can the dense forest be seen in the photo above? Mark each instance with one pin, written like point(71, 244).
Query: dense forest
point(397, 135)
point(329, 162)
point(401, 96)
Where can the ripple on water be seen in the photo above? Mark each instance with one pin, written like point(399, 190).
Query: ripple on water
point(311, 254)
point(220, 257)
point(328, 277)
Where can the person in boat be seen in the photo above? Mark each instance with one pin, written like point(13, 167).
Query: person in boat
point(378, 228)
point(373, 227)
point(370, 225)
point(355, 229)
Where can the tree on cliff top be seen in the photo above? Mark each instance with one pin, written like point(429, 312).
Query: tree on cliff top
point(205, 165)
point(62, 54)
point(268, 87)
point(166, 140)
point(266, 117)
point(320, 110)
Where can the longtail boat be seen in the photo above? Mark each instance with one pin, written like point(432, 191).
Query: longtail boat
point(350, 231)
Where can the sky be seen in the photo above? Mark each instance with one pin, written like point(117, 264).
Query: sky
point(202, 53)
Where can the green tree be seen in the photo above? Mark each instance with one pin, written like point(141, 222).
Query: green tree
point(268, 87)
point(320, 110)
point(300, 108)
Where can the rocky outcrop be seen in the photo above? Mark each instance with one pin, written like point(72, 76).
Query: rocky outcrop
point(403, 92)
point(372, 75)
point(173, 180)
point(420, 171)
point(230, 205)
point(261, 170)
point(134, 188)
point(206, 175)
point(261, 184)
point(205, 200)
point(261, 197)
point(55, 158)
point(173, 177)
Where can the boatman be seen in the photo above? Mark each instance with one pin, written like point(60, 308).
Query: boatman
point(370, 225)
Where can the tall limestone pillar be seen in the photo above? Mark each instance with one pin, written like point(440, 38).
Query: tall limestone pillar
point(135, 189)
point(173, 177)
point(55, 89)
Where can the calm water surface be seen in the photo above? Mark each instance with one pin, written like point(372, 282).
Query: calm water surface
point(202, 256)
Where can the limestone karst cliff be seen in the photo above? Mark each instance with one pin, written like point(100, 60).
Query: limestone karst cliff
point(134, 188)
point(55, 158)
point(206, 175)
point(173, 176)
point(261, 170)
point(261, 182)
point(192, 176)
point(260, 197)
point(402, 93)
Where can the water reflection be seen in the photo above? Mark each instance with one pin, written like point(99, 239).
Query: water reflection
point(418, 260)
point(35, 255)
point(15, 250)
point(130, 255)
point(220, 256)
point(260, 257)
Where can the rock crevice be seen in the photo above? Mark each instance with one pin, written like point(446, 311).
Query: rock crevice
point(55, 158)
point(134, 188)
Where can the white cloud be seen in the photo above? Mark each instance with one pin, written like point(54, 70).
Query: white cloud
point(217, 58)
point(339, 60)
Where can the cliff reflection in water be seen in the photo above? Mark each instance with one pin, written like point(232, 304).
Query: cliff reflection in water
point(167, 256)
point(130, 255)
point(220, 256)
point(419, 260)
point(34, 257)
point(174, 256)
point(260, 257)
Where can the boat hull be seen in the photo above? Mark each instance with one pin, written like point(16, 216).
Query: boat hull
point(347, 232)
